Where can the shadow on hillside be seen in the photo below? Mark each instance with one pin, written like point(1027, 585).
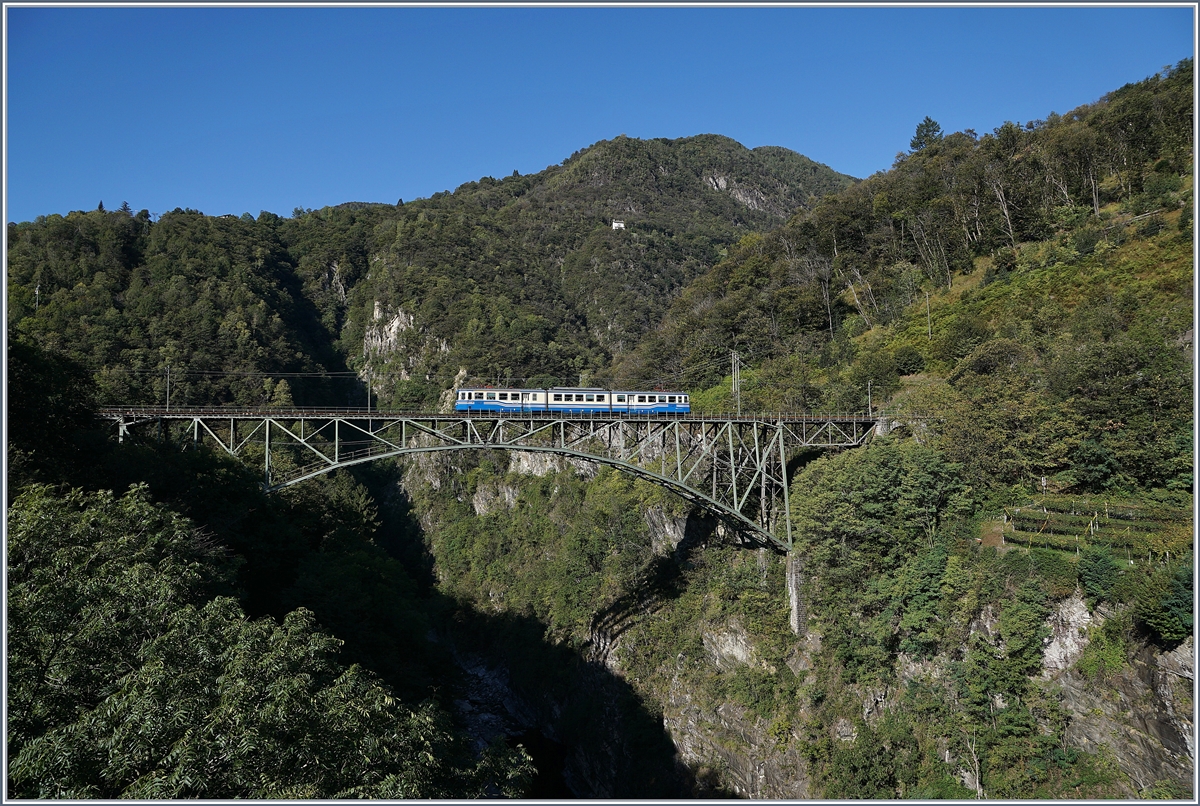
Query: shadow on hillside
point(590, 734)
point(659, 582)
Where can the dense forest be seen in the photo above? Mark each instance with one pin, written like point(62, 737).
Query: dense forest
point(989, 593)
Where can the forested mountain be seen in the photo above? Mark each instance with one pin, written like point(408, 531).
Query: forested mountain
point(519, 277)
point(992, 599)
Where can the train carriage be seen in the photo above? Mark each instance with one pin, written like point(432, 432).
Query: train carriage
point(571, 400)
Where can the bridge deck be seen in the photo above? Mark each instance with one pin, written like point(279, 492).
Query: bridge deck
point(191, 412)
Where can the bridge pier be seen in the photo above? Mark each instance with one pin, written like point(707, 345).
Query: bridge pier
point(797, 613)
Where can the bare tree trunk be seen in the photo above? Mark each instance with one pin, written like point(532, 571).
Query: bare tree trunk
point(945, 260)
point(998, 189)
point(975, 766)
point(1061, 186)
point(818, 267)
point(1095, 190)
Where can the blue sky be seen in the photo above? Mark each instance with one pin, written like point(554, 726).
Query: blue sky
point(239, 109)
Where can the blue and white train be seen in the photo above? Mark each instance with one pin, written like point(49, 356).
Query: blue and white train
point(570, 401)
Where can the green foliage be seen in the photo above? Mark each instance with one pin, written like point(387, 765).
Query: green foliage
point(88, 578)
point(121, 683)
point(1107, 649)
point(1022, 628)
point(1097, 573)
point(1057, 571)
point(216, 299)
point(909, 360)
point(525, 277)
point(1165, 603)
point(928, 132)
point(248, 709)
point(869, 523)
point(880, 762)
point(51, 407)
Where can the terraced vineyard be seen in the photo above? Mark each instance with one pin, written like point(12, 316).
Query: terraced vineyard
point(1071, 522)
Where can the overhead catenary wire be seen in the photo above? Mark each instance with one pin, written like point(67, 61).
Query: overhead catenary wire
point(233, 373)
point(663, 380)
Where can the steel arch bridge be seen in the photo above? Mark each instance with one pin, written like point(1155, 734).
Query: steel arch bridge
point(735, 467)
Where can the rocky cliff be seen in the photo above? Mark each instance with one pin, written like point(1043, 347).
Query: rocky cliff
point(605, 692)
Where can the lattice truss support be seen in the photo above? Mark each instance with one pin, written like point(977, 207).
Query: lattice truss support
point(735, 468)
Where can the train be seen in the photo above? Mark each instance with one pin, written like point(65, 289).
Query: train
point(570, 400)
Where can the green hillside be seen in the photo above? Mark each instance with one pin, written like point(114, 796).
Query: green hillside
point(1052, 343)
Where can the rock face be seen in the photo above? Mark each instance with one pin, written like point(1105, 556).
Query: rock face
point(666, 532)
point(1175, 683)
point(729, 647)
point(538, 463)
point(383, 335)
point(737, 743)
point(1142, 715)
point(1068, 635)
point(490, 498)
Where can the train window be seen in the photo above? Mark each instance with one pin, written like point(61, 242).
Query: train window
point(491, 395)
point(599, 398)
point(590, 398)
point(504, 395)
point(671, 398)
point(641, 399)
point(683, 398)
point(479, 395)
point(620, 398)
point(557, 398)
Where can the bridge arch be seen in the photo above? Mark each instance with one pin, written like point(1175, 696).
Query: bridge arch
point(730, 517)
point(734, 467)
